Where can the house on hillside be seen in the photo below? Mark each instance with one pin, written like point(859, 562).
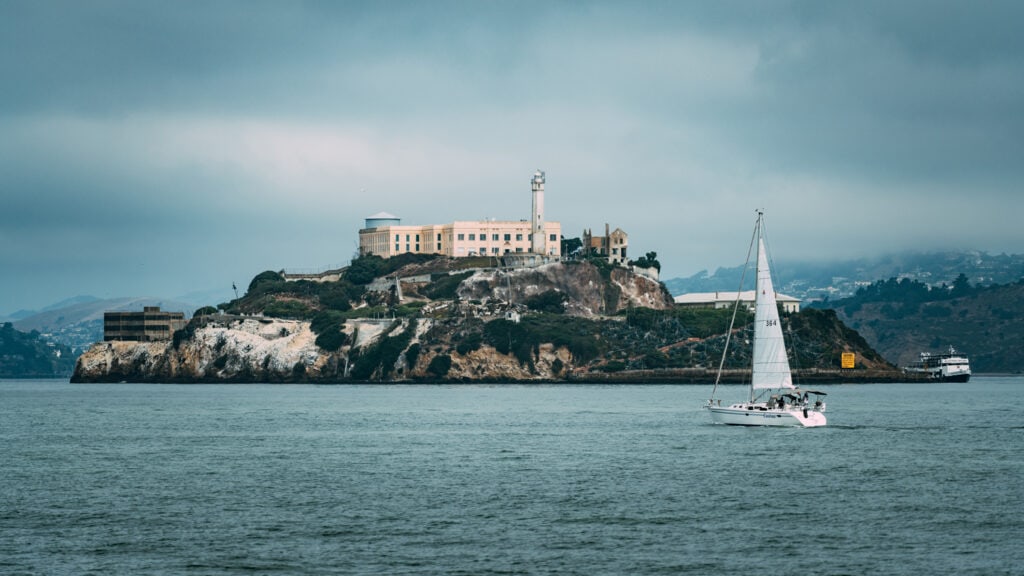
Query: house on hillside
point(726, 299)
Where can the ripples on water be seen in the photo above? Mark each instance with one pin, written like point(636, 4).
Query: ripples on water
point(134, 479)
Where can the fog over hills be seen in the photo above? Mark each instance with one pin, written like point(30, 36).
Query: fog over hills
point(840, 279)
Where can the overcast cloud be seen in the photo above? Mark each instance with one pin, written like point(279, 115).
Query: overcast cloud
point(157, 148)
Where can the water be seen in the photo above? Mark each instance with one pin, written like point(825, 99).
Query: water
point(242, 479)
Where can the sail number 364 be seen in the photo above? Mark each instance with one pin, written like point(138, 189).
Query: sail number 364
point(770, 322)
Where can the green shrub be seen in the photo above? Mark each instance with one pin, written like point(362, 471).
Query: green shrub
point(325, 320)
point(614, 366)
point(557, 366)
point(523, 339)
point(336, 297)
point(444, 287)
point(551, 301)
point(440, 365)
point(382, 355)
point(265, 277)
point(332, 339)
point(287, 309)
point(204, 311)
point(412, 355)
point(409, 309)
point(470, 343)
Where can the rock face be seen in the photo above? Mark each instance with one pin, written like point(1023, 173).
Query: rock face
point(488, 334)
point(590, 293)
point(221, 349)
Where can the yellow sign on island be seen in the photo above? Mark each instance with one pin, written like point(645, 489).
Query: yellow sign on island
point(849, 359)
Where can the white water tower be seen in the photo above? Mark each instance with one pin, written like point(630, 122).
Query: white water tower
point(538, 244)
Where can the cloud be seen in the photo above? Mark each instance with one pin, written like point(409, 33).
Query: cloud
point(223, 139)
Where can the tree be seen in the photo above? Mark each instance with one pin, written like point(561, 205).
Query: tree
point(264, 277)
point(570, 245)
point(332, 339)
point(650, 260)
point(551, 301)
point(364, 269)
point(204, 311)
point(440, 365)
point(961, 287)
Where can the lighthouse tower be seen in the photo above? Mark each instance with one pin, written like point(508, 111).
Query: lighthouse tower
point(538, 244)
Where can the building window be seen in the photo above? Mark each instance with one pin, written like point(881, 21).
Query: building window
point(397, 248)
point(519, 249)
point(530, 237)
point(508, 237)
point(483, 251)
point(519, 237)
point(494, 250)
point(406, 247)
point(463, 237)
point(396, 238)
point(438, 246)
point(417, 237)
point(494, 237)
point(406, 239)
point(471, 236)
point(417, 246)
point(552, 237)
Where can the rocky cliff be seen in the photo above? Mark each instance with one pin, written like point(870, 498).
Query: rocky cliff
point(558, 322)
point(218, 349)
point(590, 290)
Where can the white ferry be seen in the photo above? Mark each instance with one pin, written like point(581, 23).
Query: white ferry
point(945, 367)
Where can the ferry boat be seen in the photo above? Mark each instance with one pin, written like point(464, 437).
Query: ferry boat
point(948, 366)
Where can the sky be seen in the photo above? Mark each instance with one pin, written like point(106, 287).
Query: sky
point(167, 148)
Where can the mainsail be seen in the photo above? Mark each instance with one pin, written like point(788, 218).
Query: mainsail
point(771, 366)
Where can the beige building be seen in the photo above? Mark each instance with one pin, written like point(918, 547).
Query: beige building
point(384, 234)
point(727, 299)
point(457, 239)
point(612, 245)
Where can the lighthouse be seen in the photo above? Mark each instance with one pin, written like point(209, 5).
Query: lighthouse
point(538, 243)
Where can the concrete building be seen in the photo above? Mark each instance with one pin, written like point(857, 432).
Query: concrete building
point(727, 299)
point(384, 234)
point(613, 245)
point(146, 326)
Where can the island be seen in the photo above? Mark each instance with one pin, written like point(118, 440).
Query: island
point(432, 318)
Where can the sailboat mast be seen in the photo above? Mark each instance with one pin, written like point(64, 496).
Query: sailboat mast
point(757, 290)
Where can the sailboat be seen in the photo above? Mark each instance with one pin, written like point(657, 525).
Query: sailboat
point(774, 400)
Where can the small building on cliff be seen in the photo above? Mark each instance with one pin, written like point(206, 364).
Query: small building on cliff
point(726, 299)
point(146, 326)
point(613, 245)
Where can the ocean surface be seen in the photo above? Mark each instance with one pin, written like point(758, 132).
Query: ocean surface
point(476, 480)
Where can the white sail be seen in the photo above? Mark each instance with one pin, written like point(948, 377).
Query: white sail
point(771, 366)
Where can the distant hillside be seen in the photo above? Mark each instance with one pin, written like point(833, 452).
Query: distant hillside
point(835, 280)
point(26, 355)
point(902, 318)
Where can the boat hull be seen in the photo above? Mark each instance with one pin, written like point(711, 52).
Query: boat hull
point(759, 415)
point(938, 375)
